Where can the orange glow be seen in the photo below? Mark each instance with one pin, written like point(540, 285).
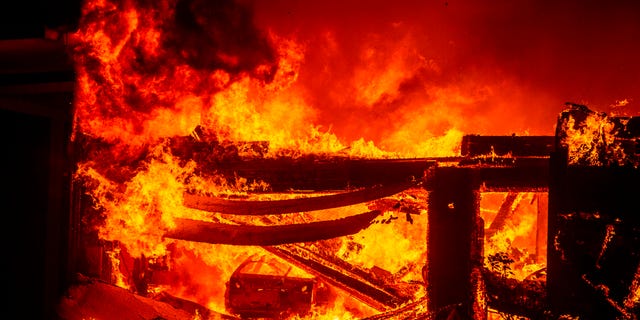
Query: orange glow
point(145, 77)
point(517, 237)
point(587, 140)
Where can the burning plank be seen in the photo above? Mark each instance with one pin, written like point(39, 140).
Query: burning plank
point(219, 233)
point(365, 290)
point(514, 146)
point(319, 173)
point(243, 207)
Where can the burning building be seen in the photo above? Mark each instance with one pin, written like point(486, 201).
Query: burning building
point(281, 160)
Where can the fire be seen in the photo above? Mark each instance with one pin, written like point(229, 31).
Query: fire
point(596, 139)
point(147, 76)
point(585, 140)
point(516, 239)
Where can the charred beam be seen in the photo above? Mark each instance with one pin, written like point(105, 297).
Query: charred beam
point(542, 225)
point(219, 233)
point(526, 298)
point(504, 212)
point(454, 241)
point(318, 174)
point(413, 310)
point(247, 207)
point(500, 174)
point(359, 288)
point(515, 146)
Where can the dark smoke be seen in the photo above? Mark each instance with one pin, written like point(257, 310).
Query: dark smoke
point(219, 34)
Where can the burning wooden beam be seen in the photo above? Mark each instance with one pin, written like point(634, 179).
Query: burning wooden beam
point(505, 212)
point(362, 288)
point(319, 173)
point(220, 233)
point(515, 146)
point(509, 174)
point(247, 207)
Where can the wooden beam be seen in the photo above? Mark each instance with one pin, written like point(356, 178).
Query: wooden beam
point(317, 173)
point(505, 212)
point(361, 289)
point(248, 207)
point(220, 233)
point(515, 146)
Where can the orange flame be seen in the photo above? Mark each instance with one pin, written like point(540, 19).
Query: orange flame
point(140, 83)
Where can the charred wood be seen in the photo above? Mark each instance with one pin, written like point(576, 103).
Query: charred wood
point(525, 298)
point(408, 203)
point(208, 232)
point(515, 146)
point(453, 239)
point(247, 207)
point(414, 310)
point(193, 308)
point(321, 173)
point(293, 171)
point(524, 174)
point(247, 159)
point(376, 276)
point(593, 225)
point(362, 289)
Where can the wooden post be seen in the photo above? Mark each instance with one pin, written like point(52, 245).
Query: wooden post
point(454, 252)
point(541, 229)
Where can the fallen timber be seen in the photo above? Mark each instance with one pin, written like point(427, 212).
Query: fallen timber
point(413, 310)
point(248, 207)
point(252, 235)
point(277, 241)
point(358, 286)
point(504, 212)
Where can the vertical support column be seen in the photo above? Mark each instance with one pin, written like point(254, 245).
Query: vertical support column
point(541, 230)
point(454, 243)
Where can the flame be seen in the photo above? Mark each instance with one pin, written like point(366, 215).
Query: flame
point(517, 238)
point(587, 140)
point(143, 80)
point(119, 279)
point(134, 87)
point(596, 139)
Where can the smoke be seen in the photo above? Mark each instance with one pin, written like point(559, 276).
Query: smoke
point(216, 35)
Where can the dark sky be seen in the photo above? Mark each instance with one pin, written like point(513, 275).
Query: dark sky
point(531, 56)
